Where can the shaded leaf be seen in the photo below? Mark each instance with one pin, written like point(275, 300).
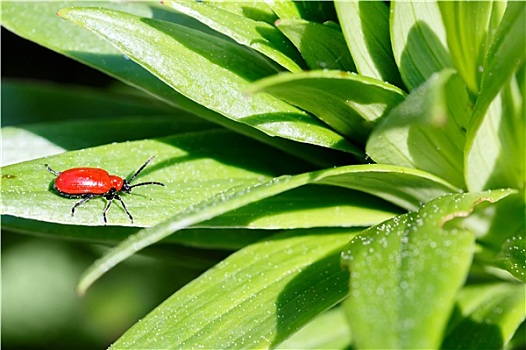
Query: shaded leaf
point(365, 25)
point(398, 266)
point(34, 102)
point(322, 46)
point(217, 238)
point(419, 41)
point(499, 228)
point(45, 139)
point(427, 130)
point(512, 257)
point(316, 11)
point(486, 317)
point(256, 10)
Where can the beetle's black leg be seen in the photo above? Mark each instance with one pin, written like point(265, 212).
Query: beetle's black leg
point(124, 206)
point(84, 200)
point(51, 170)
point(110, 200)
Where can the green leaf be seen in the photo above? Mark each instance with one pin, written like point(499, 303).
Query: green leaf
point(413, 187)
point(496, 151)
point(322, 46)
point(257, 35)
point(315, 11)
point(209, 70)
point(32, 102)
point(28, 18)
point(256, 10)
point(327, 331)
point(47, 139)
point(427, 130)
point(348, 102)
point(300, 208)
point(306, 207)
point(504, 112)
point(192, 165)
point(365, 25)
point(419, 41)
point(204, 238)
point(399, 266)
point(470, 29)
point(499, 228)
point(506, 54)
point(487, 316)
point(512, 257)
point(255, 298)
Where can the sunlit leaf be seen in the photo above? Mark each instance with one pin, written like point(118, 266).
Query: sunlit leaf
point(171, 51)
point(255, 298)
point(330, 330)
point(398, 266)
point(413, 188)
point(506, 53)
point(86, 47)
point(497, 150)
point(470, 29)
point(260, 36)
point(350, 103)
point(188, 164)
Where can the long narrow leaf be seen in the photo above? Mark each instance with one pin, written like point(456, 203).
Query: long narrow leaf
point(86, 47)
point(321, 45)
point(506, 54)
point(255, 298)
point(260, 36)
point(206, 69)
point(188, 164)
point(349, 103)
point(470, 28)
point(419, 41)
point(365, 25)
point(413, 188)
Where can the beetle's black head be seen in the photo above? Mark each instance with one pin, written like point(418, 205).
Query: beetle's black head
point(126, 187)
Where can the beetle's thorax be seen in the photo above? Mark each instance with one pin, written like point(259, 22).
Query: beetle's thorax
point(117, 182)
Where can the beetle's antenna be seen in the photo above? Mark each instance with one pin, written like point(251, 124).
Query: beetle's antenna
point(51, 170)
point(140, 169)
point(148, 183)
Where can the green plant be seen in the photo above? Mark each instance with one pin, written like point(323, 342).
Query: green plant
point(409, 173)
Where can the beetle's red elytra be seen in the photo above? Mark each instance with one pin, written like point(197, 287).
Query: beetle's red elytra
point(88, 183)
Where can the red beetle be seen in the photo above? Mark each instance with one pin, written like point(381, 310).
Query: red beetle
point(87, 183)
